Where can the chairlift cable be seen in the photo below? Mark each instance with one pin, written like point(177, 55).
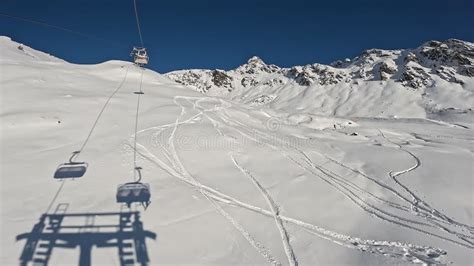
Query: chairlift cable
point(136, 191)
point(140, 92)
point(55, 196)
point(103, 109)
point(74, 169)
point(138, 22)
point(77, 153)
point(47, 25)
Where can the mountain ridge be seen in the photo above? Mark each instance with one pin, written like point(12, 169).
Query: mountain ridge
point(426, 70)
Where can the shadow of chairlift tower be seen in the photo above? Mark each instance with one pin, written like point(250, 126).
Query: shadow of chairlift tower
point(122, 230)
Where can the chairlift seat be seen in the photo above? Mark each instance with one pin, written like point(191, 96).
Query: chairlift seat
point(133, 192)
point(140, 56)
point(70, 170)
point(141, 60)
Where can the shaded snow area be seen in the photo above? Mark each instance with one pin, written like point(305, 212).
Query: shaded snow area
point(232, 182)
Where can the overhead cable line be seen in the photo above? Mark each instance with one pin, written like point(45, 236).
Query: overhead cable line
point(139, 93)
point(48, 25)
point(55, 196)
point(136, 191)
point(138, 22)
point(103, 109)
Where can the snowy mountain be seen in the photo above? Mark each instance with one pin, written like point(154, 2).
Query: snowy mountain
point(435, 78)
point(232, 183)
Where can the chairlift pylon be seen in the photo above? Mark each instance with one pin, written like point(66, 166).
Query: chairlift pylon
point(71, 169)
point(134, 192)
point(140, 56)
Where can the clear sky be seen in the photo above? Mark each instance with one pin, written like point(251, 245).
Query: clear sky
point(223, 34)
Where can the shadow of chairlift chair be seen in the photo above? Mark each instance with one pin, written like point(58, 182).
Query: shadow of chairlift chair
point(134, 192)
point(71, 169)
point(140, 56)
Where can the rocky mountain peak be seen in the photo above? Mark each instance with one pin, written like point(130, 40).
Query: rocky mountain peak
point(450, 53)
point(255, 60)
point(256, 65)
point(433, 64)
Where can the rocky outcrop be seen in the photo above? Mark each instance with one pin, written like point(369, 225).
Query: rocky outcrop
point(191, 78)
point(458, 55)
point(221, 79)
point(301, 75)
point(451, 60)
point(316, 74)
point(386, 70)
point(248, 82)
point(255, 65)
point(415, 77)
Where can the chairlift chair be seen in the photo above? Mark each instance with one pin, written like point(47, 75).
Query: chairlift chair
point(140, 56)
point(134, 192)
point(71, 169)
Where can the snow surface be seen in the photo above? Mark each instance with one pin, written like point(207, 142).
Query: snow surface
point(232, 183)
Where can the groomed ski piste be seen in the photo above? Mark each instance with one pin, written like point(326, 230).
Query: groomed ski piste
point(231, 183)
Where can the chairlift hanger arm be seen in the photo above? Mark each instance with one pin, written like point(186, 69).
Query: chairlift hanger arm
point(74, 154)
point(138, 169)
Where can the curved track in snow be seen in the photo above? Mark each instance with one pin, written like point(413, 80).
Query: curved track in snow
point(290, 254)
point(345, 187)
point(178, 170)
point(408, 252)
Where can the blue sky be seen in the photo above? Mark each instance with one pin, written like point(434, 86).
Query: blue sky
point(182, 34)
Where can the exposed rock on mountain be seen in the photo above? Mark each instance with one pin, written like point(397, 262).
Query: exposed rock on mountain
point(415, 77)
point(221, 79)
point(386, 69)
point(379, 82)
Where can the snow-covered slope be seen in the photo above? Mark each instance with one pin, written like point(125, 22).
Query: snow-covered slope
point(14, 52)
point(231, 184)
point(434, 78)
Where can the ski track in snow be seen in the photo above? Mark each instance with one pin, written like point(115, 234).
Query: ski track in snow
point(398, 250)
point(358, 200)
point(181, 170)
point(275, 211)
point(421, 211)
point(418, 203)
point(431, 219)
point(261, 249)
point(407, 252)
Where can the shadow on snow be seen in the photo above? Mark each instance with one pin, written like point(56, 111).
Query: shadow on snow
point(122, 230)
